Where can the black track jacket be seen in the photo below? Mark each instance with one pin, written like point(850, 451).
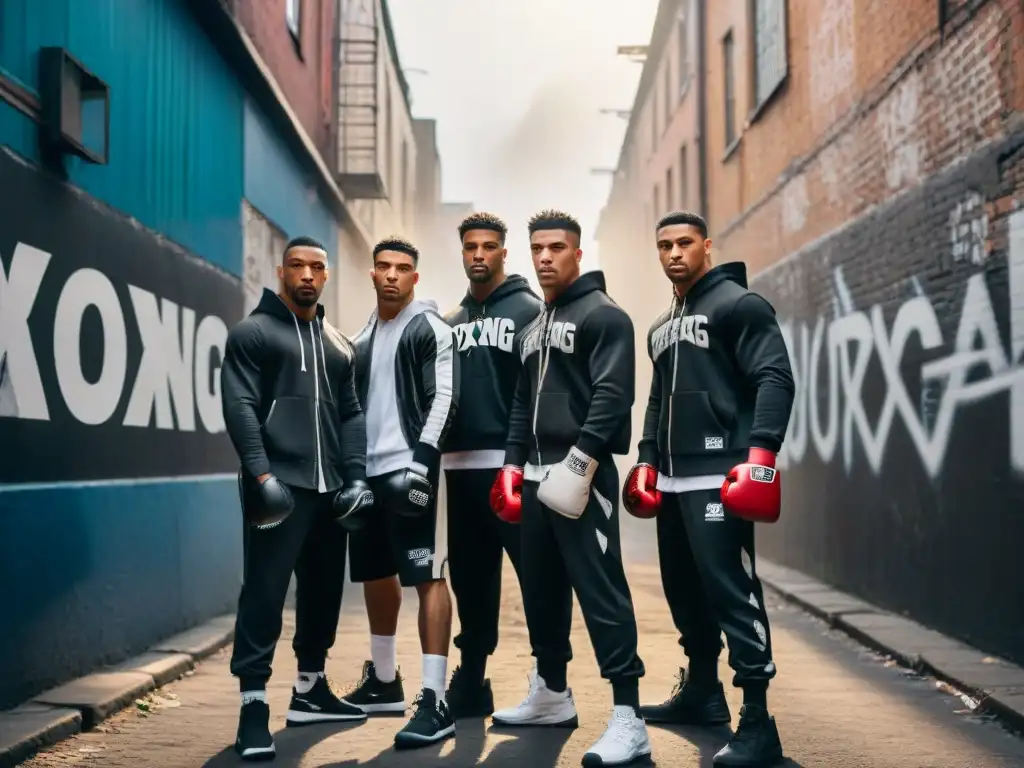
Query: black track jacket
point(576, 386)
point(722, 381)
point(487, 339)
point(289, 399)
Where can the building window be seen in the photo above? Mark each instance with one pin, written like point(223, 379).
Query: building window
point(729, 70)
point(768, 30)
point(684, 178)
point(293, 18)
point(670, 189)
point(683, 47)
point(668, 96)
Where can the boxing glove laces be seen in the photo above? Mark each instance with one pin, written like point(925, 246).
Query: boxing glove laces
point(753, 490)
point(566, 485)
point(640, 494)
point(507, 494)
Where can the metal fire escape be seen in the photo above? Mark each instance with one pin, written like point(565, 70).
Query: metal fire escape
point(360, 174)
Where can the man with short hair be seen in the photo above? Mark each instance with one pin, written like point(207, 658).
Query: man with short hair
point(487, 325)
point(291, 411)
point(570, 416)
point(407, 379)
point(721, 396)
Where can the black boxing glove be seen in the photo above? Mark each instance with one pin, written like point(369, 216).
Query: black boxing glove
point(352, 504)
point(272, 504)
point(413, 491)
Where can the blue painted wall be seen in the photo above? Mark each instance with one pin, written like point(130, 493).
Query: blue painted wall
point(176, 112)
point(282, 191)
point(93, 572)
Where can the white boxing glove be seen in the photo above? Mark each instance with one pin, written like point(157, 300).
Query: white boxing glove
point(566, 486)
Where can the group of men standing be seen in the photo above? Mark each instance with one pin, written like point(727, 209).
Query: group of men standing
point(522, 402)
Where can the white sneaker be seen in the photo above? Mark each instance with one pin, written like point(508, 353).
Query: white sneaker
point(542, 706)
point(624, 741)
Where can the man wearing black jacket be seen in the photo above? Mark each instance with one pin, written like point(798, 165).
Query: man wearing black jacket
point(721, 395)
point(570, 415)
point(291, 410)
point(407, 379)
point(487, 326)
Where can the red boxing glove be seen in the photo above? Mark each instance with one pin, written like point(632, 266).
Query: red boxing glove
point(640, 494)
point(507, 494)
point(753, 491)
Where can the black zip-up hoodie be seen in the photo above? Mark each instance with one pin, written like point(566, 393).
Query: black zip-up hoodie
point(576, 385)
point(722, 380)
point(487, 339)
point(289, 399)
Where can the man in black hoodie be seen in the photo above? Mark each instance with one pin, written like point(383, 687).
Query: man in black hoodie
point(487, 326)
point(292, 412)
point(721, 395)
point(570, 415)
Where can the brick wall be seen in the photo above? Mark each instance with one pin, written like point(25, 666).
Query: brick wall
point(303, 70)
point(879, 203)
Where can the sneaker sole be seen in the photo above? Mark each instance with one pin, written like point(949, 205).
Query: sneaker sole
point(257, 754)
point(296, 718)
point(405, 740)
point(572, 722)
point(384, 708)
point(595, 761)
point(695, 723)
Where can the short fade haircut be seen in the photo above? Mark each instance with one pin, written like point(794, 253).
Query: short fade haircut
point(302, 242)
point(684, 217)
point(399, 244)
point(485, 221)
point(554, 219)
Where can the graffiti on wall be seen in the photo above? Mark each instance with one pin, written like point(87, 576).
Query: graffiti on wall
point(832, 356)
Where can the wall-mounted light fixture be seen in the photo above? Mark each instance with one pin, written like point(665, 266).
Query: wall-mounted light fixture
point(75, 108)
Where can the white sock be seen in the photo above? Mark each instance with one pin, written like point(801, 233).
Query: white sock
point(248, 697)
point(306, 680)
point(384, 655)
point(435, 673)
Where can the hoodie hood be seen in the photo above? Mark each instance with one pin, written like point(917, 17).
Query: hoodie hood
point(272, 304)
point(733, 271)
point(513, 284)
point(586, 283)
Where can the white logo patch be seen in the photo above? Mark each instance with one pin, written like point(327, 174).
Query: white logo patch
point(714, 443)
point(487, 332)
point(602, 542)
point(761, 474)
point(714, 513)
point(421, 557)
point(761, 635)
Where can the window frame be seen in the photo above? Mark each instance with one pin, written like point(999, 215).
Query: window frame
point(760, 102)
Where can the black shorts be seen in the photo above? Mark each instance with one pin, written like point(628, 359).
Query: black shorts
point(413, 548)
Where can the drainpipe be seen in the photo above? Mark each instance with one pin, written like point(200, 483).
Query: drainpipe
point(702, 108)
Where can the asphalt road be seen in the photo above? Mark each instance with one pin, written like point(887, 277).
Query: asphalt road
point(837, 704)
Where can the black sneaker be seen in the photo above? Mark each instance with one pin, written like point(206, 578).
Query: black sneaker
point(690, 705)
point(376, 698)
point(430, 723)
point(469, 698)
point(254, 742)
point(320, 705)
point(755, 743)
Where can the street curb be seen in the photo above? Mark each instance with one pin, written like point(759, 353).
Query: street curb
point(80, 704)
point(996, 684)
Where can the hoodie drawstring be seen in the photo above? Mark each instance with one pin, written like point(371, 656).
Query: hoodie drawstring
point(302, 348)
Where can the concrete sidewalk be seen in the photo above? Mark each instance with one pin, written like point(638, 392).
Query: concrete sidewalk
point(837, 705)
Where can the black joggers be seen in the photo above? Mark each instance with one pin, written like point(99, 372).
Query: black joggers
point(562, 556)
point(707, 571)
point(313, 545)
point(476, 539)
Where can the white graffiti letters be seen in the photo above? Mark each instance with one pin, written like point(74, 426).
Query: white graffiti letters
point(833, 360)
point(176, 365)
point(561, 336)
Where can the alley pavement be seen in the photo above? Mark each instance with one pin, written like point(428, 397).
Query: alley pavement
point(837, 704)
